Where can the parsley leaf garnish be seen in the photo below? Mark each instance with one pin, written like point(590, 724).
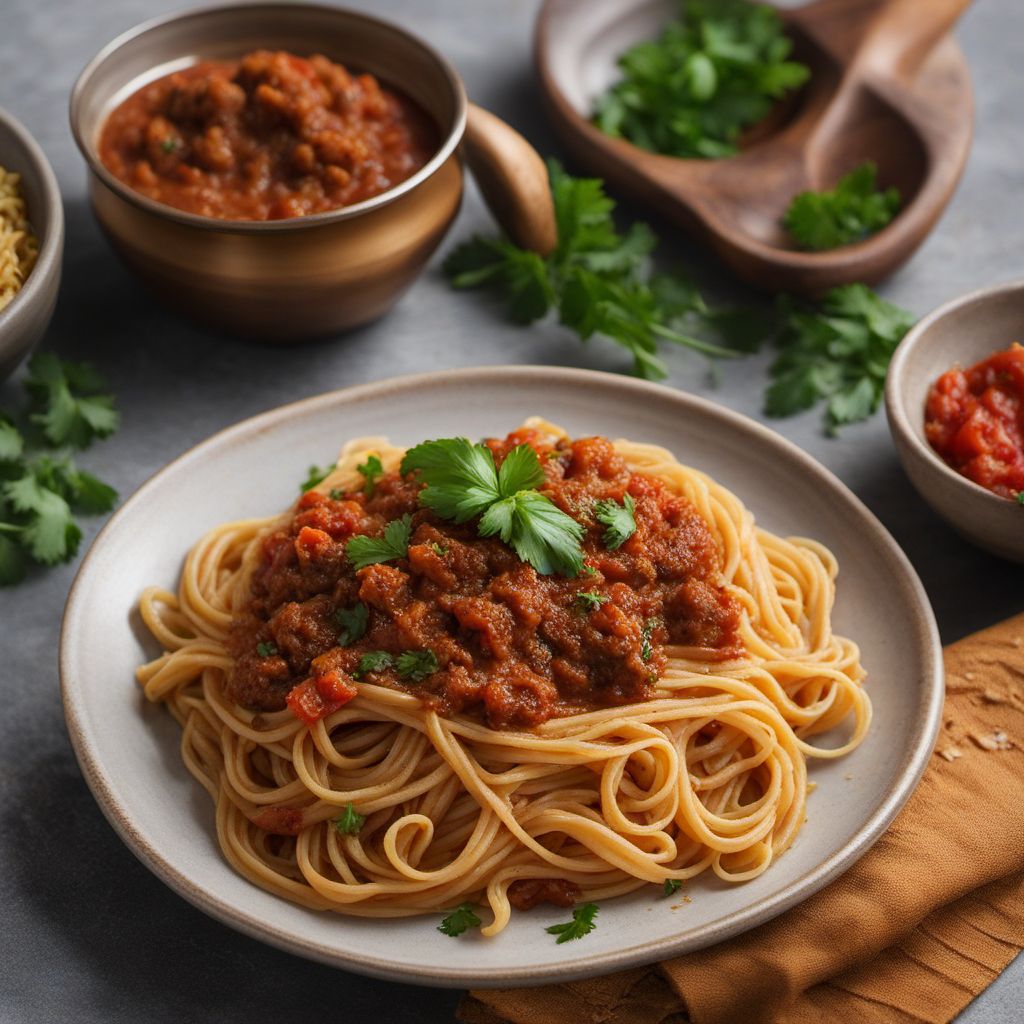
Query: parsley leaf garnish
point(582, 923)
point(350, 821)
point(371, 469)
point(352, 623)
point(589, 600)
point(598, 281)
point(314, 475)
point(462, 482)
point(716, 70)
point(68, 403)
point(373, 661)
point(1020, 497)
point(618, 518)
point(41, 488)
point(416, 665)
point(839, 352)
point(671, 886)
point(363, 551)
point(265, 649)
point(850, 212)
point(646, 646)
point(459, 920)
point(439, 549)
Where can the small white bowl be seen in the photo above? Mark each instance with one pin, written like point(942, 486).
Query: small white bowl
point(961, 332)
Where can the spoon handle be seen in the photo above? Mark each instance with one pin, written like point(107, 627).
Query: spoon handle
point(513, 179)
point(902, 33)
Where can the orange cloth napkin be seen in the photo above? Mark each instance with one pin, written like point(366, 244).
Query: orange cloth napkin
point(912, 932)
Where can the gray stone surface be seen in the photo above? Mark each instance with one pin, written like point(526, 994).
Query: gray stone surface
point(87, 934)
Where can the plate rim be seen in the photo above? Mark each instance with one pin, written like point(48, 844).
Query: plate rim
point(924, 729)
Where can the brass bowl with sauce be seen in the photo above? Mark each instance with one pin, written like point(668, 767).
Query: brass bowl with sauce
point(296, 278)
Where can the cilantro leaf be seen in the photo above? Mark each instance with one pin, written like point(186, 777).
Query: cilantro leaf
point(373, 661)
point(838, 352)
point(459, 920)
point(582, 923)
point(715, 71)
point(672, 886)
point(371, 469)
point(363, 551)
point(350, 821)
point(619, 519)
point(89, 494)
point(850, 212)
point(417, 665)
point(352, 623)
point(67, 403)
point(538, 531)
point(314, 476)
point(590, 600)
point(597, 281)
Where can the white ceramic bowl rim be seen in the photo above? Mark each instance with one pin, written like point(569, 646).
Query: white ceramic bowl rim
point(51, 243)
point(445, 149)
point(904, 418)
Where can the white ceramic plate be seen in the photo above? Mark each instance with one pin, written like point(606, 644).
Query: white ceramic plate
point(128, 750)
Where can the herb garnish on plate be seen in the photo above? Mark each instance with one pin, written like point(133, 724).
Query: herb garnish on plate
point(850, 212)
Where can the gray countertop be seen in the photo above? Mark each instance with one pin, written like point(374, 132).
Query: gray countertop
point(88, 934)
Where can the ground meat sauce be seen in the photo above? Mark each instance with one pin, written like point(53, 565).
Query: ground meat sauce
point(270, 136)
point(974, 419)
point(513, 647)
point(527, 893)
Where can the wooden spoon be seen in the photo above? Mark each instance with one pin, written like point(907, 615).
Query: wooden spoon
point(886, 86)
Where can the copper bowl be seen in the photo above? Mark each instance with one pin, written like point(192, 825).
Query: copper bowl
point(283, 280)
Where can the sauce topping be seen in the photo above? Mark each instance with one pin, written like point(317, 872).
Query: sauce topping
point(974, 419)
point(267, 137)
point(483, 632)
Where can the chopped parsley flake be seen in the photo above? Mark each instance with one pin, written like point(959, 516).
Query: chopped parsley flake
point(373, 661)
point(266, 650)
point(582, 923)
point(589, 600)
point(646, 646)
point(352, 623)
point(371, 469)
point(459, 920)
point(350, 821)
point(619, 519)
point(363, 551)
point(416, 665)
point(671, 887)
point(315, 475)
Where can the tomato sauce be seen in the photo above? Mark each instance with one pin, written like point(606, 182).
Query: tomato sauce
point(974, 419)
point(512, 647)
point(266, 137)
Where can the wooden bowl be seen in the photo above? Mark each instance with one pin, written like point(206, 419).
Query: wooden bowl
point(24, 320)
point(282, 280)
point(963, 332)
point(887, 85)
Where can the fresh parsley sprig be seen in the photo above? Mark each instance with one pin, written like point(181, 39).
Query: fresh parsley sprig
point(619, 520)
point(582, 923)
point(315, 475)
point(462, 483)
point(41, 488)
point(838, 351)
point(850, 212)
point(351, 623)
point(350, 821)
point(416, 665)
point(362, 551)
point(598, 282)
point(461, 919)
point(715, 71)
point(370, 470)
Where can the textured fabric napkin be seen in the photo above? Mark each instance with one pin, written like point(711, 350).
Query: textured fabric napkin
point(912, 932)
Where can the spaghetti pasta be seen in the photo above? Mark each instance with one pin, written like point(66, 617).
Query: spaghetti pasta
point(708, 775)
point(18, 246)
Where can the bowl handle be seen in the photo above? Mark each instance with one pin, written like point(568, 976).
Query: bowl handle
point(513, 180)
